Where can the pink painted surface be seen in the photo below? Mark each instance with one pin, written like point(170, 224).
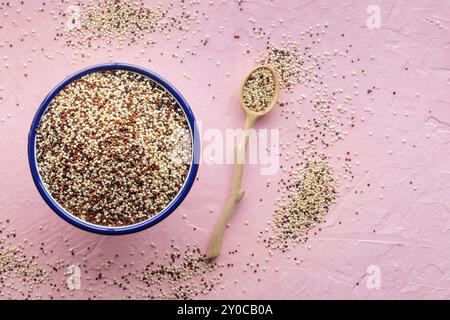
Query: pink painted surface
point(403, 221)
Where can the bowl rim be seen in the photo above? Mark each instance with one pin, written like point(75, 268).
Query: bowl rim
point(105, 230)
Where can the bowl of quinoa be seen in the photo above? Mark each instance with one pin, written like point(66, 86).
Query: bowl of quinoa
point(113, 149)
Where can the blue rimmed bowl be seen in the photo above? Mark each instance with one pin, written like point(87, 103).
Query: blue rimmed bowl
point(58, 209)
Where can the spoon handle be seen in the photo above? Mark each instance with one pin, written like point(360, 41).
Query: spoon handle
point(236, 193)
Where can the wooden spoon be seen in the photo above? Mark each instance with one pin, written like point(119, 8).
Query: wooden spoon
point(237, 192)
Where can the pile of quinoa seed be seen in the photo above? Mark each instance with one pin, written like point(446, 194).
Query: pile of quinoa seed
point(310, 192)
point(32, 270)
point(183, 274)
point(123, 23)
point(105, 148)
point(110, 19)
point(16, 264)
point(259, 89)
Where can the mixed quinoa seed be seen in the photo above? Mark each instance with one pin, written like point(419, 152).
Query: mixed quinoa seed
point(310, 192)
point(171, 273)
point(259, 89)
point(122, 23)
point(113, 148)
point(110, 19)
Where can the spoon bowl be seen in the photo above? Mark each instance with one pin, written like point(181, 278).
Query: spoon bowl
point(274, 98)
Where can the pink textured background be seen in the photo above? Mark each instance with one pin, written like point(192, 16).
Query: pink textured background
point(401, 227)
